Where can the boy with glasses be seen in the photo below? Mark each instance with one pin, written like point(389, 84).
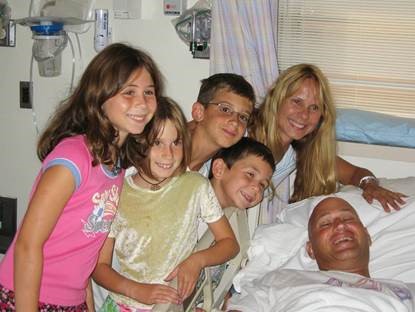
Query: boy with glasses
point(220, 116)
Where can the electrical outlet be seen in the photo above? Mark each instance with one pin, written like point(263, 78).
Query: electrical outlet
point(26, 89)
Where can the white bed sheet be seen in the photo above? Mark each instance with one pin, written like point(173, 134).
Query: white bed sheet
point(315, 291)
point(281, 246)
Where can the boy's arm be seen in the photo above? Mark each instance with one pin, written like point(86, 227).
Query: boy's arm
point(225, 248)
point(110, 279)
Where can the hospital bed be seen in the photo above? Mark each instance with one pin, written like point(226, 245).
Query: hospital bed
point(281, 246)
point(392, 254)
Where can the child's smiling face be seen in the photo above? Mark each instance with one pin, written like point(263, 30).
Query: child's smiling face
point(133, 106)
point(243, 184)
point(166, 154)
point(222, 124)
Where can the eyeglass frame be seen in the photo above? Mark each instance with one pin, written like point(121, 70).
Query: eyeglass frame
point(228, 105)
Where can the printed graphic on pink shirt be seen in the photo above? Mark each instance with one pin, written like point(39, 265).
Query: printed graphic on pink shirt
point(105, 207)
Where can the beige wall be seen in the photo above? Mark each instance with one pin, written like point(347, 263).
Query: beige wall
point(383, 161)
point(152, 32)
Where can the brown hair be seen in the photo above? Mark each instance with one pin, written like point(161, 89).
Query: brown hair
point(167, 109)
point(225, 81)
point(82, 112)
point(243, 148)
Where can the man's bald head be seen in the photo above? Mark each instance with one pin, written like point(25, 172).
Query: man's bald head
point(337, 238)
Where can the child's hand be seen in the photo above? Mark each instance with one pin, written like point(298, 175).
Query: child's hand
point(187, 274)
point(156, 293)
point(388, 199)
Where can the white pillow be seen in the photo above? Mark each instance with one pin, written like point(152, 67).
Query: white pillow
point(281, 245)
point(298, 213)
point(402, 185)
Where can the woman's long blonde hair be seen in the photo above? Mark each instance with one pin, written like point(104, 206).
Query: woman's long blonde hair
point(316, 152)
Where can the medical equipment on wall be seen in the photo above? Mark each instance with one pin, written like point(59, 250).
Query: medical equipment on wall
point(4, 17)
point(49, 41)
point(51, 21)
point(6, 34)
point(101, 36)
point(194, 26)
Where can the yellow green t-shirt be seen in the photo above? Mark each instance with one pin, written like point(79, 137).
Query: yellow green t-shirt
point(156, 230)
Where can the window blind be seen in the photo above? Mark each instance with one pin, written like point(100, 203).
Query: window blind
point(365, 47)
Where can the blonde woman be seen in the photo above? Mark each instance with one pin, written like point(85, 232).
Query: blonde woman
point(297, 122)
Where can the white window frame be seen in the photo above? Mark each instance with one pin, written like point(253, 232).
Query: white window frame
point(365, 47)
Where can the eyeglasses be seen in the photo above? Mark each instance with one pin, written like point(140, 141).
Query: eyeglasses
point(227, 109)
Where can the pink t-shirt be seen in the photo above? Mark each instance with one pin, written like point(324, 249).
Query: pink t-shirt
point(71, 251)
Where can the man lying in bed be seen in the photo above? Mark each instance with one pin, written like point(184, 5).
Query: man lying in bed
point(340, 243)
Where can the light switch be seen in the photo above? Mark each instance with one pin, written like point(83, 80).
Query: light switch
point(174, 7)
point(127, 9)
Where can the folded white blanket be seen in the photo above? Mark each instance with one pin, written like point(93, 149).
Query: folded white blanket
point(306, 291)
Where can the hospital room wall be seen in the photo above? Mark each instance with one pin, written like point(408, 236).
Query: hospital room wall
point(383, 161)
point(152, 32)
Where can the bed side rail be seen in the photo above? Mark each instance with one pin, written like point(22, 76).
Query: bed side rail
point(213, 298)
